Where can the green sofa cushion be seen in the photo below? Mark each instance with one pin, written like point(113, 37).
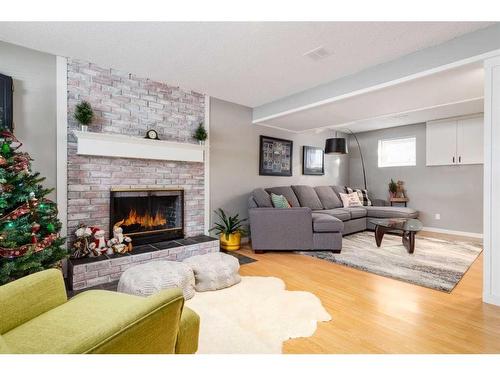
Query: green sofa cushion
point(279, 201)
point(4, 349)
point(29, 297)
point(189, 329)
point(100, 321)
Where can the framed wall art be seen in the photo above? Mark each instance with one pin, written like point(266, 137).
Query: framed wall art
point(313, 161)
point(275, 156)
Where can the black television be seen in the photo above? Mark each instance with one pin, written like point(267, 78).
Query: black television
point(5, 102)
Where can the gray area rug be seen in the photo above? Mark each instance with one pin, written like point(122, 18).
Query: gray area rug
point(436, 263)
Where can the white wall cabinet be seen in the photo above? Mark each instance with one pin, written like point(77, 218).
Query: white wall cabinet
point(455, 141)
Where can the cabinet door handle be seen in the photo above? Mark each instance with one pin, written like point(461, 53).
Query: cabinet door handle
point(453, 160)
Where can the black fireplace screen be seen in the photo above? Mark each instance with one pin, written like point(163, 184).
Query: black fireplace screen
point(148, 215)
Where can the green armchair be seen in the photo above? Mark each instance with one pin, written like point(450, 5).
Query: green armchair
point(37, 317)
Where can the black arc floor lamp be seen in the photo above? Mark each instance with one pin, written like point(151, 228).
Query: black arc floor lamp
point(339, 146)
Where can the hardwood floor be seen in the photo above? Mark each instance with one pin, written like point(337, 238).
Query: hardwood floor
point(375, 314)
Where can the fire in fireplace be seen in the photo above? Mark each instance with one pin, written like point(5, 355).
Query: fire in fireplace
point(148, 216)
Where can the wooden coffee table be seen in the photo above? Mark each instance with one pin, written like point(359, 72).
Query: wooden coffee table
point(408, 228)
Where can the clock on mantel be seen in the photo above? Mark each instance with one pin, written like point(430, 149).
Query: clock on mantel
point(152, 134)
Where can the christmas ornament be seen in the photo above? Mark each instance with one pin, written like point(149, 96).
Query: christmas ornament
point(5, 149)
point(51, 227)
point(9, 137)
point(35, 228)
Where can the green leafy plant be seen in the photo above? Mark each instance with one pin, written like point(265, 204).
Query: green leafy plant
point(228, 224)
point(200, 134)
point(393, 187)
point(84, 113)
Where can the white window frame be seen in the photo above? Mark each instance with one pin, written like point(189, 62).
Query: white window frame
point(398, 164)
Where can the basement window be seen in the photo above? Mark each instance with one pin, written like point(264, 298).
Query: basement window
point(398, 152)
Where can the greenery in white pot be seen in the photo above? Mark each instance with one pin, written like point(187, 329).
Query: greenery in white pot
point(200, 134)
point(84, 114)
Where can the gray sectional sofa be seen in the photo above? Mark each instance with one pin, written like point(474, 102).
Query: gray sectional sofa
point(317, 219)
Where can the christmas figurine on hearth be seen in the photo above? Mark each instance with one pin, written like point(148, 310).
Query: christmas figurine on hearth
point(99, 244)
point(120, 243)
point(81, 245)
point(29, 227)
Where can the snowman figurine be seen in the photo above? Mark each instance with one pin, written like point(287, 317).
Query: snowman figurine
point(120, 243)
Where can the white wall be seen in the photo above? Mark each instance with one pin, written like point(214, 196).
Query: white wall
point(34, 75)
point(491, 271)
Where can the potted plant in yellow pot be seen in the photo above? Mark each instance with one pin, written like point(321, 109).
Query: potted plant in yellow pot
point(230, 229)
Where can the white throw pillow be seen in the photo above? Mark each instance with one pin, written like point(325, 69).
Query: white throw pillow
point(350, 200)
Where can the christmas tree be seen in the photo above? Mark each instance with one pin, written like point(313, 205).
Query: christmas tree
point(29, 228)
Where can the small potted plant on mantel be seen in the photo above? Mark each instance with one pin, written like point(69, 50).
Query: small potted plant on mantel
point(230, 229)
point(200, 134)
point(84, 115)
point(393, 188)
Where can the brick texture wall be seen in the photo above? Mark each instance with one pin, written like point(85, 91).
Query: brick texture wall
point(129, 105)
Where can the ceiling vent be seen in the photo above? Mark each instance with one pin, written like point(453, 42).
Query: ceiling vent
point(318, 53)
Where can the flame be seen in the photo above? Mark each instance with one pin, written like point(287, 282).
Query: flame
point(146, 220)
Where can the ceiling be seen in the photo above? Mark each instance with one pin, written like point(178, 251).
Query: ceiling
point(249, 63)
point(445, 94)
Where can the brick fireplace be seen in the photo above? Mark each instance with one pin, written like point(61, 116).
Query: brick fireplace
point(127, 105)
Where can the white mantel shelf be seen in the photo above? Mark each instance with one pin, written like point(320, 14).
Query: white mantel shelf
point(124, 146)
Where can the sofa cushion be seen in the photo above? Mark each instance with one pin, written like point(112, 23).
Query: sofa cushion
point(307, 197)
point(362, 193)
point(262, 198)
point(391, 212)
point(338, 190)
point(4, 349)
point(356, 212)
point(279, 201)
point(339, 213)
point(328, 197)
point(91, 319)
point(287, 192)
point(350, 200)
point(326, 223)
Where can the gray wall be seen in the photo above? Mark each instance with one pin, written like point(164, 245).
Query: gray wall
point(34, 75)
point(234, 158)
point(455, 192)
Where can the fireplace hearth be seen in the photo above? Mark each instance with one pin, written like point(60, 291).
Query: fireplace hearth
point(148, 216)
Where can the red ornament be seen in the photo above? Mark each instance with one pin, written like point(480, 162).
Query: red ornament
point(35, 228)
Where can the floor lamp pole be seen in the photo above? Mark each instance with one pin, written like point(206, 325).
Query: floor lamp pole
point(360, 154)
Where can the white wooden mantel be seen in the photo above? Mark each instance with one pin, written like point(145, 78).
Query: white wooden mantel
point(124, 146)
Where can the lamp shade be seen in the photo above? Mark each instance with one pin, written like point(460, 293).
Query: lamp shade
point(336, 146)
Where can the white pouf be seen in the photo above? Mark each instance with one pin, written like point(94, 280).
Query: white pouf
point(214, 271)
point(149, 278)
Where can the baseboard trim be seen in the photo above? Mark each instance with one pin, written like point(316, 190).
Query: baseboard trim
point(491, 299)
point(453, 232)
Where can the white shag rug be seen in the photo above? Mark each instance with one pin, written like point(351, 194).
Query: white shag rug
point(255, 316)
